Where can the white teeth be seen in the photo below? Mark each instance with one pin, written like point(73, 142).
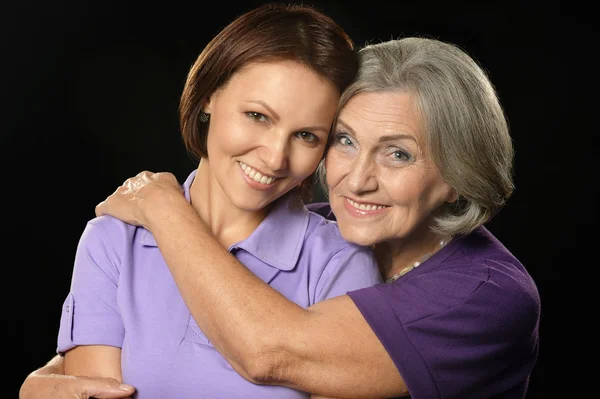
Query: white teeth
point(255, 175)
point(364, 207)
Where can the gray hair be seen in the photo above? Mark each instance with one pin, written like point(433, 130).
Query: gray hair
point(466, 131)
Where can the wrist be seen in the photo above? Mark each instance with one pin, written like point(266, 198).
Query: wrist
point(163, 206)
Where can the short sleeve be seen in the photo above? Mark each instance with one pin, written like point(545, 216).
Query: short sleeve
point(349, 269)
point(90, 315)
point(456, 336)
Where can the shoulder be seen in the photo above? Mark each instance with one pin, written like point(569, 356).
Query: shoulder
point(108, 238)
point(109, 229)
point(477, 275)
point(324, 233)
point(472, 294)
point(504, 279)
point(342, 266)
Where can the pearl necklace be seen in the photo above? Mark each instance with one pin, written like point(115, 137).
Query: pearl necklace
point(417, 263)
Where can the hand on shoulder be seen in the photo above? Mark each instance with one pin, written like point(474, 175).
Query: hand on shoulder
point(141, 196)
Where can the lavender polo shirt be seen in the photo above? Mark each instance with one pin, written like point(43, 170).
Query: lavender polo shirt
point(122, 294)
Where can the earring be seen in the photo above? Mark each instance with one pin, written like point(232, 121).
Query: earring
point(204, 117)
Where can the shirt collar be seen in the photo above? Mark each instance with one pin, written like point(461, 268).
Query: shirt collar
point(277, 241)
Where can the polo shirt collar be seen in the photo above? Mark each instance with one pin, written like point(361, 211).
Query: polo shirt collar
point(277, 241)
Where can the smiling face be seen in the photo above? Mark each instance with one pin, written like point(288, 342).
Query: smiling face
point(382, 185)
point(268, 130)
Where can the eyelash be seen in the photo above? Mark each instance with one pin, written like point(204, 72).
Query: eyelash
point(403, 156)
point(342, 136)
point(258, 117)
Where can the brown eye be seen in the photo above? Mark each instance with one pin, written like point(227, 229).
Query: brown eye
point(257, 116)
point(307, 136)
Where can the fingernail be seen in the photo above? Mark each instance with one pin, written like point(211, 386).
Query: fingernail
point(125, 387)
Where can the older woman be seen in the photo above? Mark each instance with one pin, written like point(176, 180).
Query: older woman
point(420, 160)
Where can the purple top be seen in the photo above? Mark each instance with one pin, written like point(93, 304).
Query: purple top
point(122, 294)
point(464, 324)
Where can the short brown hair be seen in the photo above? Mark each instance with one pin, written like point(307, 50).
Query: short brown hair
point(272, 31)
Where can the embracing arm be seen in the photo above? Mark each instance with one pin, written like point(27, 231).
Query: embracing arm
point(50, 382)
point(92, 356)
point(327, 349)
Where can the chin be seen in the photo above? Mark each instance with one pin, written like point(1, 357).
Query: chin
point(247, 207)
point(249, 204)
point(358, 236)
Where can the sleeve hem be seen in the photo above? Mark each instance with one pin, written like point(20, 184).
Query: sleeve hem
point(93, 330)
point(382, 319)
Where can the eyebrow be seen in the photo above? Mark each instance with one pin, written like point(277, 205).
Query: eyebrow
point(382, 139)
point(278, 118)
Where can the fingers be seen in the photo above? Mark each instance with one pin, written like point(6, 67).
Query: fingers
point(144, 173)
point(140, 186)
point(55, 386)
point(104, 388)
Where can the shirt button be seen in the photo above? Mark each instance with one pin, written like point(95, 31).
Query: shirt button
point(67, 309)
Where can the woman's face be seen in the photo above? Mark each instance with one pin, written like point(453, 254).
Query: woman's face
point(382, 185)
point(268, 130)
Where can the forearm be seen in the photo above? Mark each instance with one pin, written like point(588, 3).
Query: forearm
point(239, 313)
point(49, 382)
point(327, 349)
point(94, 361)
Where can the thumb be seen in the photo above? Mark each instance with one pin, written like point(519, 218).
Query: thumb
point(108, 388)
point(99, 210)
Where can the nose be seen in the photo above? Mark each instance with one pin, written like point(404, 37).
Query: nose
point(361, 178)
point(275, 151)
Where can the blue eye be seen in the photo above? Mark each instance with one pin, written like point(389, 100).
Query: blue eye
point(307, 136)
point(257, 116)
point(343, 140)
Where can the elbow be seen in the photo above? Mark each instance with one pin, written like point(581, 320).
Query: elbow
point(267, 366)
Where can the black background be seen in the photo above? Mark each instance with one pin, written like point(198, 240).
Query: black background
point(90, 98)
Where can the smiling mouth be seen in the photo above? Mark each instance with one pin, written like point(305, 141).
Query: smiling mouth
point(366, 207)
point(256, 175)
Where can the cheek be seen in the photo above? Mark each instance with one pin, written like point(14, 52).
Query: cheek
point(305, 161)
point(420, 195)
point(333, 168)
point(229, 135)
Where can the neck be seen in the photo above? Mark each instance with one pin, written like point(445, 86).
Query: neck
point(394, 256)
point(228, 223)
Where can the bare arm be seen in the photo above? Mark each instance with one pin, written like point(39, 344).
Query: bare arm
point(49, 382)
point(94, 361)
point(327, 349)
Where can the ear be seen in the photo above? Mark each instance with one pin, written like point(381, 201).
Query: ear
point(209, 102)
point(452, 196)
